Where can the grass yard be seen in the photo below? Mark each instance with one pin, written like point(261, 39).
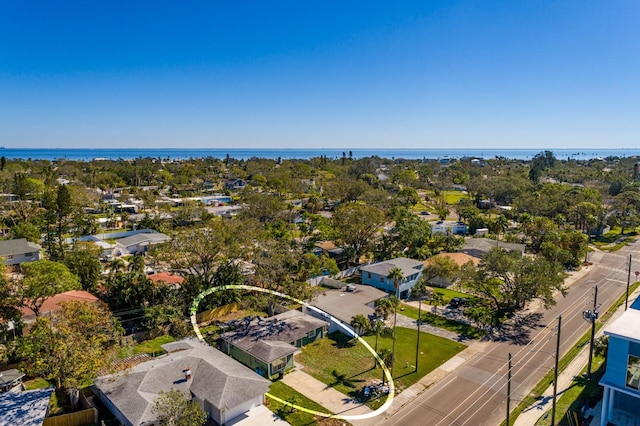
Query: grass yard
point(151, 347)
point(463, 329)
point(613, 240)
point(454, 197)
point(448, 294)
point(354, 364)
point(59, 402)
point(296, 418)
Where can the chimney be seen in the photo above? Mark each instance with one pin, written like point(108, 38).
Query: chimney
point(187, 374)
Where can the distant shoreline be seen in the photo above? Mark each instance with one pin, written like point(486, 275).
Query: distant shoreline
point(245, 154)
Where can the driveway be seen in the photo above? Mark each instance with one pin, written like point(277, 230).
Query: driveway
point(328, 397)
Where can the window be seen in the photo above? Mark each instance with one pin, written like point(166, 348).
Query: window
point(633, 372)
point(382, 279)
point(369, 275)
point(311, 334)
point(278, 365)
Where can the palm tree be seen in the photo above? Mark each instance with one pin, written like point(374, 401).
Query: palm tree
point(387, 358)
point(419, 291)
point(384, 307)
point(117, 265)
point(360, 324)
point(397, 275)
point(377, 327)
point(500, 225)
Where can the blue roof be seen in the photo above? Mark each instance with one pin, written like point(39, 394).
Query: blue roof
point(28, 408)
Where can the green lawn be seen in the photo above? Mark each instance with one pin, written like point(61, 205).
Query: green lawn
point(453, 197)
point(448, 294)
point(59, 402)
point(463, 329)
point(151, 347)
point(296, 418)
point(356, 363)
point(606, 241)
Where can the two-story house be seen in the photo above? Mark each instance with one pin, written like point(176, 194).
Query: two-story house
point(621, 380)
point(377, 275)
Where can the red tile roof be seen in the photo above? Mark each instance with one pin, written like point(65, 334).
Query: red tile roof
point(52, 304)
point(166, 277)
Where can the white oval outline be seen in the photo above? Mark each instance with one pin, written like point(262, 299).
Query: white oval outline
point(384, 407)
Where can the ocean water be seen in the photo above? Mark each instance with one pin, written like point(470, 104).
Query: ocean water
point(244, 154)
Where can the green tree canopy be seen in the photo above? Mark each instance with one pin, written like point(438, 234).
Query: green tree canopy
point(43, 279)
point(356, 226)
point(72, 345)
point(174, 408)
point(510, 280)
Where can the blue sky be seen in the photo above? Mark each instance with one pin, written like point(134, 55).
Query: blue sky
point(320, 74)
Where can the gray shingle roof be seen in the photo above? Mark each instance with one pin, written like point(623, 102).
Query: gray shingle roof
point(258, 337)
point(17, 246)
point(217, 378)
point(151, 238)
point(406, 265)
point(344, 305)
point(485, 245)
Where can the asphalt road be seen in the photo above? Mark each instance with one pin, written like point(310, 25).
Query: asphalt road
point(476, 392)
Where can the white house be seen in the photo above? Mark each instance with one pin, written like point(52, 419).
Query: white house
point(19, 251)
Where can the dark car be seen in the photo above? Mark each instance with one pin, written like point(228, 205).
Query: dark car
point(458, 301)
point(425, 213)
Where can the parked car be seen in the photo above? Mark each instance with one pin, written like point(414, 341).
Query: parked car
point(458, 301)
point(425, 213)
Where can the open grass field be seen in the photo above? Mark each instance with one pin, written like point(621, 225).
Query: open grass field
point(354, 364)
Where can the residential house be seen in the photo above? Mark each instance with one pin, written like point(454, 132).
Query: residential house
point(449, 227)
point(11, 381)
point(479, 247)
point(166, 278)
point(377, 275)
point(344, 303)
point(139, 243)
point(224, 388)
point(19, 251)
point(267, 345)
point(52, 304)
point(27, 408)
point(234, 184)
point(621, 380)
point(459, 258)
point(328, 248)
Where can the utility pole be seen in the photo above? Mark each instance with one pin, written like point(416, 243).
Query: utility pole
point(626, 299)
point(509, 391)
point(592, 316)
point(555, 374)
point(419, 321)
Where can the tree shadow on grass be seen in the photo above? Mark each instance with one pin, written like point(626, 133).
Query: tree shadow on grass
point(341, 340)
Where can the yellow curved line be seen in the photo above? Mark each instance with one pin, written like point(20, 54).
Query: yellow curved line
point(387, 373)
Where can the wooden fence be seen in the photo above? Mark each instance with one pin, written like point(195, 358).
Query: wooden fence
point(88, 416)
point(212, 314)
